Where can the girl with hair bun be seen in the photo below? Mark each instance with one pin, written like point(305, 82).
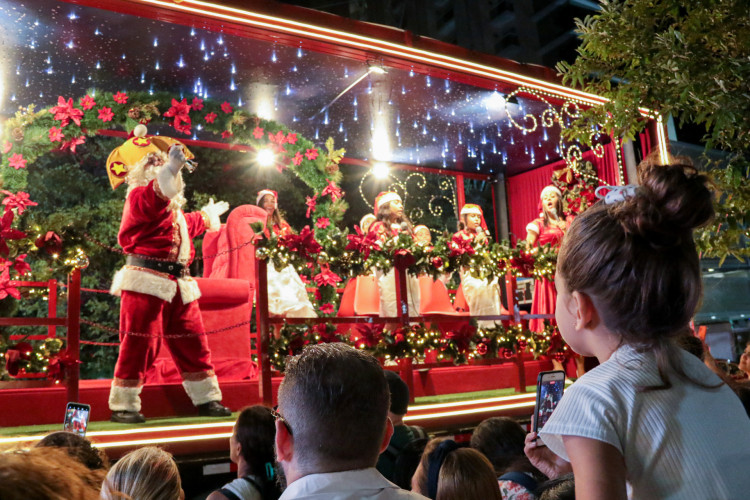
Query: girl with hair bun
point(651, 421)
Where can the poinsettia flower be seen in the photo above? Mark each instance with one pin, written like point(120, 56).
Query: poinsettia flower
point(327, 308)
point(303, 243)
point(291, 138)
point(7, 145)
point(304, 279)
point(226, 107)
point(333, 190)
point(180, 112)
point(17, 161)
point(210, 117)
point(297, 160)
point(55, 134)
point(524, 263)
point(65, 112)
point(87, 102)
point(50, 243)
point(311, 153)
point(106, 114)
point(323, 223)
point(462, 336)
point(326, 277)
point(6, 288)
point(361, 243)
point(197, 103)
point(20, 265)
point(226, 134)
point(7, 232)
point(277, 138)
point(370, 335)
point(461, 244)
point(258, 132)
point(120, 97)
point(73, 143)
point(311, 202)
point(19, 201)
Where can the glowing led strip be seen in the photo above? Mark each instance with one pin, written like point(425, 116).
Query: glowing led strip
point(178, 439)
point(470, 402)
point(308, 30)
point(469, 411)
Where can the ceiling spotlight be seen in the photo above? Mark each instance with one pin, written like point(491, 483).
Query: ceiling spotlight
point(265, 157)
point(380, 170)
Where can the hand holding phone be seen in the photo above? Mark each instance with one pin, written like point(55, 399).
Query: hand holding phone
point(549, 391)
point(76, 418)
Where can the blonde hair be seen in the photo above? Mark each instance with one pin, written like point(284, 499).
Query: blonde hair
point(46, 474)
point(148, 473)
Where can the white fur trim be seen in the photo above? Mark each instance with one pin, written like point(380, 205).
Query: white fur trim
point(171, 185)
point(466, 210)
point(550, 189)
point(388, 197)
point(135, 280)
point(262, 193)
point(189, 290)
point(183, 255)
point(532, 227)
point(125, 398)
point(203, 391)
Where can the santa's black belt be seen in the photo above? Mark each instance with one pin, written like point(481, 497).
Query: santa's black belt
point(172, 268)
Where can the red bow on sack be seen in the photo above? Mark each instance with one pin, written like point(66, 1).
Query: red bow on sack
point(57, 365)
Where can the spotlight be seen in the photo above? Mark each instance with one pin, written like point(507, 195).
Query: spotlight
point(380, 170)
point(265, 157)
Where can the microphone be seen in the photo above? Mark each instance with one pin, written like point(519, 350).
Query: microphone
point(191, 165)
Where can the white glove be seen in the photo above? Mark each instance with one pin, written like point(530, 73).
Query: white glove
point(176, 159)
point(213, 211)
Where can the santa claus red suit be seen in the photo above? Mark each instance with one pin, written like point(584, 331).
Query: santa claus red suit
point(159, 299)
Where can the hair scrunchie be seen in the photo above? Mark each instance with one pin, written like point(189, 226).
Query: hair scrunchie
point(436, 459)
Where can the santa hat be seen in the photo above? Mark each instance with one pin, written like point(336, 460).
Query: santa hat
point(385, 197)
point(126, 156)
point(365, 219)
point(550, 189)
point(420, 227)
point(471, 208)
point(264, 192)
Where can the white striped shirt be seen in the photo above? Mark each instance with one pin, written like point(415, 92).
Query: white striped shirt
point(685, 442)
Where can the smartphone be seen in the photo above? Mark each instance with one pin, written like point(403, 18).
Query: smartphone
point(549, 391)
point(76, 418)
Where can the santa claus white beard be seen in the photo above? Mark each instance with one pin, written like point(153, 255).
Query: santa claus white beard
point(140, 175)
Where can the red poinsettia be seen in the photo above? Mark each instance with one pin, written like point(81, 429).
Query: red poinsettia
point(325, 334)
point(19, 201)
point(210, 117)
point(524, 263)
point(20, 265)
point(7, 145)
point(460, 245)
point(7, 232)
point(106, 114)
point(71, 144)
point(180, 112)
point(370, 335)
point(120, 98)
point(65, 112)
point(258, 132)
point(197, 103)
point(311, 154)
point(87, 102)
point(277, 138)
point(326, 277)
point(50, 243)
point(291, 138)
point(303, 243)
point(55, 134)
point(311, 202)
point(17, 161)
point(333, 190)
point(226, 134)
point(6, 287)
point(226, 107)
point(462, 336)
point(361, 243)
point(297, 160)
point(323, 223)
point(327, 308)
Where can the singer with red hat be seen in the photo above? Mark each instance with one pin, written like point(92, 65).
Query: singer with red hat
point(482, 296)
point(159, 299)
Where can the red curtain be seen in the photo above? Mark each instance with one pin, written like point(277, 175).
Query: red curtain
point(523, 189)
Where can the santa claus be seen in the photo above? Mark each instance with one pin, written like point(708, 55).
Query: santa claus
point(159, 299)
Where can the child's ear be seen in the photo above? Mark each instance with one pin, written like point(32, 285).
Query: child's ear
point(585, 312)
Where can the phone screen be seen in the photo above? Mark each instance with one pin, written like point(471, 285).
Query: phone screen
point(76, 418)
point(549, 391)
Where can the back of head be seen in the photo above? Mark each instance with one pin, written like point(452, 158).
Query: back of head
point(407, 461)
point(77, 447)
point(255, 432)
point(561, 488)
point(335, 399)
point(501, 440)
point(148, 473)
point(636, 258)
point(399, 393)
point(46, 474)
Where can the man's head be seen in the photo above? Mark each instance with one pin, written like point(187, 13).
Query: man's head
point(399, 395)
point(334, 399)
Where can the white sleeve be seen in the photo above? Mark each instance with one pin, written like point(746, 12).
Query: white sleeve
point(532, 227)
